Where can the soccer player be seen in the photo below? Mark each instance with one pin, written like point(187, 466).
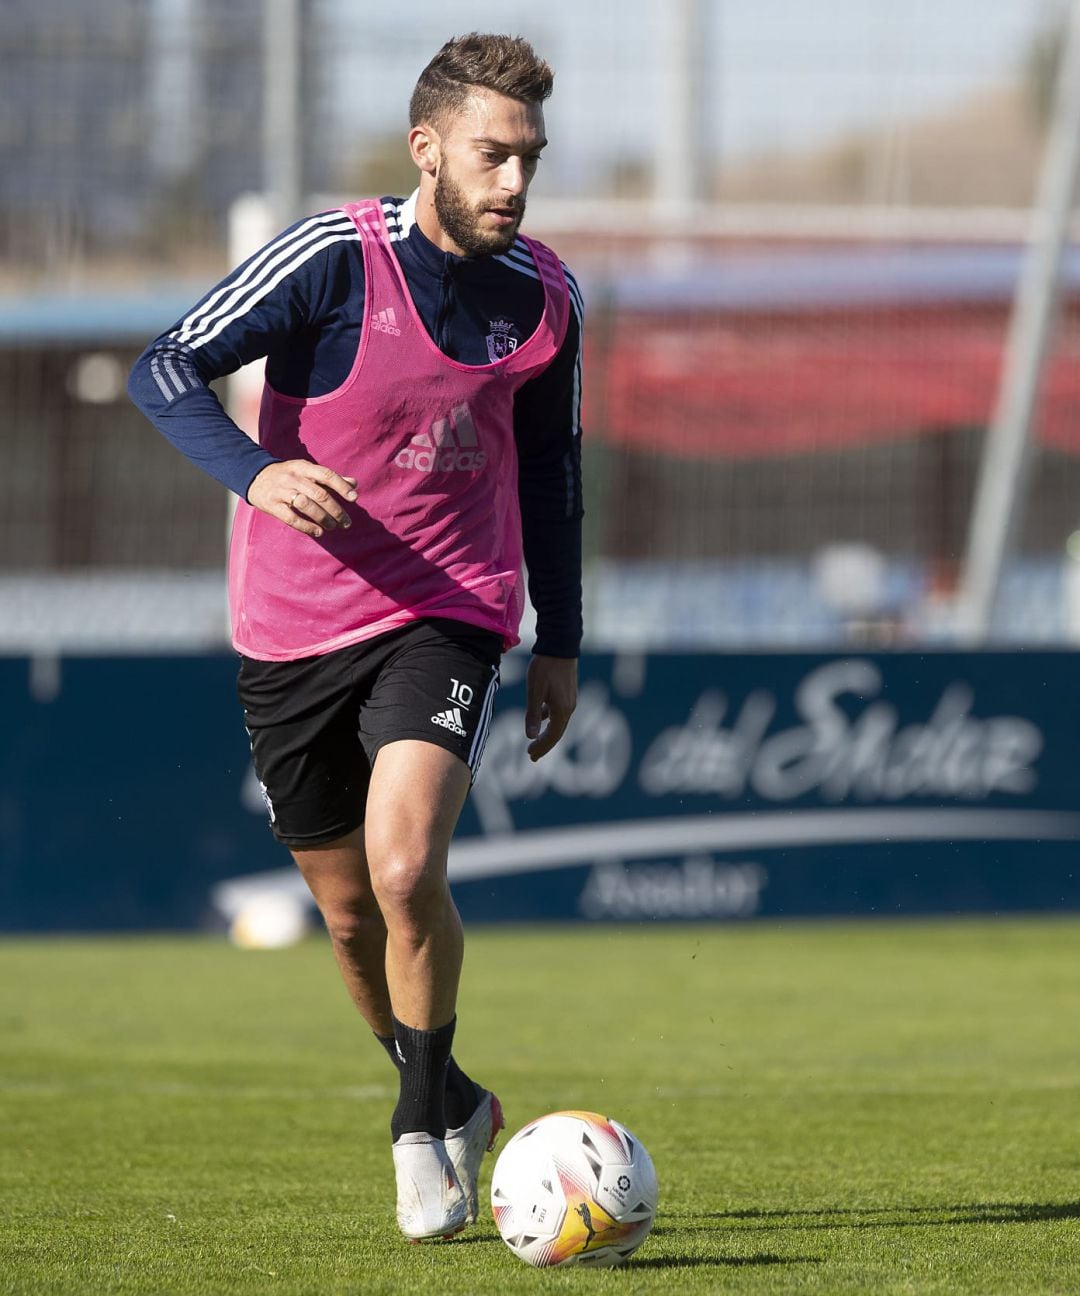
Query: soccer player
point(418, 436)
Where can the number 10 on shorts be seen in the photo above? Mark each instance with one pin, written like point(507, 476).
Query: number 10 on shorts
point(460, 693)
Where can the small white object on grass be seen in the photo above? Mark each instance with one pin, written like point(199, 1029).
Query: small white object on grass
point(269, 921)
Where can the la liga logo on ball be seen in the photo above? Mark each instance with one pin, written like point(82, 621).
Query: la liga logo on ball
point(574, 1187)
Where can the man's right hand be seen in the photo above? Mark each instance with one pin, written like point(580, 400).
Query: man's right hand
point(303, 495)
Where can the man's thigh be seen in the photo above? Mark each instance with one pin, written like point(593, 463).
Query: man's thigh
point(416, 795)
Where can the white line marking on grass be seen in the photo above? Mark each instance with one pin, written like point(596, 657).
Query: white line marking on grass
point(176, 1089)
point(942, 1087)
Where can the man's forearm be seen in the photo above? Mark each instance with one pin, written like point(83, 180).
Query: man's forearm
point(189, 415)
point(553, 560)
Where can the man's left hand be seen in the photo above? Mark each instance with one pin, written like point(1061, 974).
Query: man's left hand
point(551, 695)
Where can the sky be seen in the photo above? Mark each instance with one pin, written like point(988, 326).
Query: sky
point(779, 74)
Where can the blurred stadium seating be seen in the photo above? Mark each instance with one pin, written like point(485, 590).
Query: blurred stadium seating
point(765, 394)
point(685, 605)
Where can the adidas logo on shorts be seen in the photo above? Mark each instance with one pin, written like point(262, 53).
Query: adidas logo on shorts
point(450, 446)
point(450, 720)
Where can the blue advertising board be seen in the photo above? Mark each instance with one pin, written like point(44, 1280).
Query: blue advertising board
point(729, 786)
point(689, 787)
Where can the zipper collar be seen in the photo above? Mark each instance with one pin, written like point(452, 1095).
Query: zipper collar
point(429, 258)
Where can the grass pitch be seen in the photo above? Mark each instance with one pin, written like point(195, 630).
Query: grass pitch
point(831, 1108)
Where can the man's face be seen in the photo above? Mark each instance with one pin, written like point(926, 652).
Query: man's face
point(488, 154)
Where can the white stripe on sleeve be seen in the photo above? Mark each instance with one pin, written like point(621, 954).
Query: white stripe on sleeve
point(240, 306)
point(257, 271)
point(159, 378)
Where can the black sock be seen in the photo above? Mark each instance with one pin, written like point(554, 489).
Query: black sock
point(462, 1096)
point(390, 1044)
point(424, 1056)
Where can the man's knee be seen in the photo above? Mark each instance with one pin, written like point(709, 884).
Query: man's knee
point(352, 919)
point(408, 882)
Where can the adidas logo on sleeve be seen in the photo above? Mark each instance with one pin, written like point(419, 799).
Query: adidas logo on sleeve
point(450, 446)
point(450, 719)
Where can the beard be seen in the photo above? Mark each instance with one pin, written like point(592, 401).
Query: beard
point(461, 219)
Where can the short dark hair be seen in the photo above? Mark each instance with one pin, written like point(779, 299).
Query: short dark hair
point(506, 64)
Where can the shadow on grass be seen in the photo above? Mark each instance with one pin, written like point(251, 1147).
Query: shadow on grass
point(664, 1262)
point(889, 1216)
point(724, 1262)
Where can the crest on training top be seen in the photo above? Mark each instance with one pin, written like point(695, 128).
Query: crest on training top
point(500, 341)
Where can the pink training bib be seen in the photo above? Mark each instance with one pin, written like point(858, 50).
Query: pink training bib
point(436, 530)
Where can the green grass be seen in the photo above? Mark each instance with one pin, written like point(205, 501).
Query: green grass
point(864, 1108)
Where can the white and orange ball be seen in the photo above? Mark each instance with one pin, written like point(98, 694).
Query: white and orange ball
point(269, 920)
point(573, 1187)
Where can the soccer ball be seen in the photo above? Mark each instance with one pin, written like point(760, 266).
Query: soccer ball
point(573, 1188)
point(268, 921)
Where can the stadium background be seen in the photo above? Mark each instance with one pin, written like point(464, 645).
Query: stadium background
point(800, 244)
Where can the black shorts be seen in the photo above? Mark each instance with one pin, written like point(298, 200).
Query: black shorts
point(316, 724)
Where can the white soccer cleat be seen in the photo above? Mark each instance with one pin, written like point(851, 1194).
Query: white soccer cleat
point(466, 1147)
point(430, 1202)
